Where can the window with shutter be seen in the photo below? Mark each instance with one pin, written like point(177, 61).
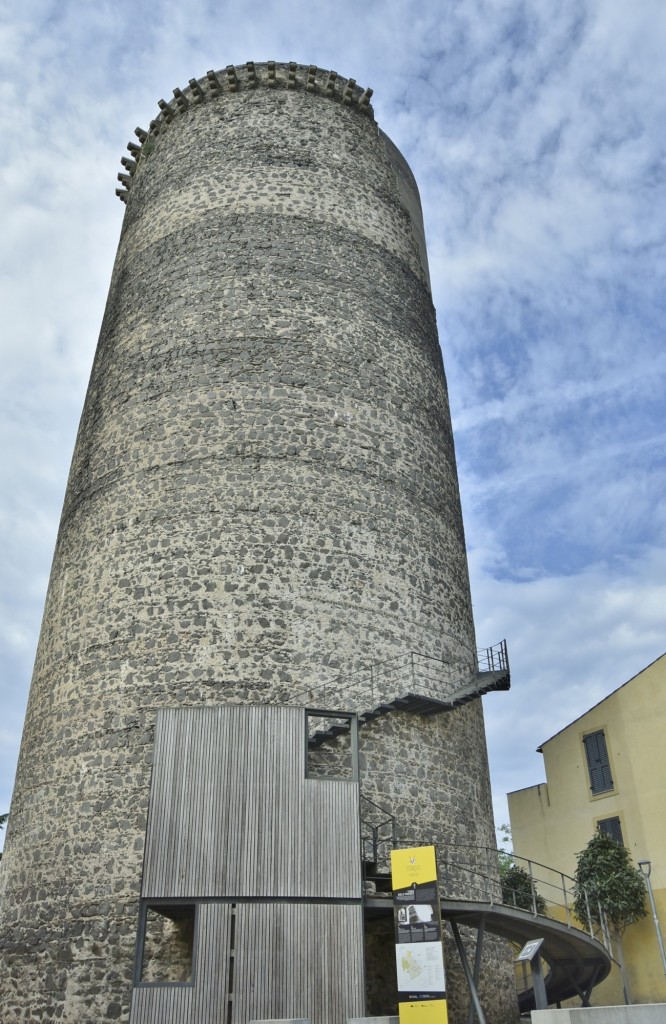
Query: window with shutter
point(611, 827)
point(598, 765)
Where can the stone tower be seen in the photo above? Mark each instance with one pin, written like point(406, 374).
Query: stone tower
point(262, 502)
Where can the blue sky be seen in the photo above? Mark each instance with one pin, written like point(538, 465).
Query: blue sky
point(537, 133)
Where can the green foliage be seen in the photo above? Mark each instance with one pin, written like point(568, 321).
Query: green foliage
point(504, 855)
point(515, 881)
point(505, 833)
point(3, 820)
point(606, 874)
point(517, 889)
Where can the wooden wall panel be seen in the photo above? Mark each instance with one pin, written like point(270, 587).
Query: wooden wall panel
point(161, 1005)
point(331, 822)
point(235, 826)
point(209, 1004)
point(232, 813)
point(298, 960)
point(205, 1002)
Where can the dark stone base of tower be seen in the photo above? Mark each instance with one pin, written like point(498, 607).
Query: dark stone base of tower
point(262, 510)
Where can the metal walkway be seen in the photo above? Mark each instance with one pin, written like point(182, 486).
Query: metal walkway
point(410, 682)
point(576, 962)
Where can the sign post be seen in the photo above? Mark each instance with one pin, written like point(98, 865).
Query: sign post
point(530, 953)
point(418, 936)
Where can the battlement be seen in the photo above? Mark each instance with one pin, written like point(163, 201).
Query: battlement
point(241, 78)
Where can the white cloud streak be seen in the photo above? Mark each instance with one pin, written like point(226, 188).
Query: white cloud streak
point(536, 134)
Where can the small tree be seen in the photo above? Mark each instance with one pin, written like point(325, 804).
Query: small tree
point(3, 822)
point(518, 889)
point(607, 883)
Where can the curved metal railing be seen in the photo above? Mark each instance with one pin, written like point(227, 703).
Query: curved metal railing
point(485, 874)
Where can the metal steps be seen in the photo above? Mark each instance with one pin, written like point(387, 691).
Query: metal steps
point(419, 704)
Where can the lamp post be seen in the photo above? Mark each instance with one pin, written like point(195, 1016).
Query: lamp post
point(646, 869)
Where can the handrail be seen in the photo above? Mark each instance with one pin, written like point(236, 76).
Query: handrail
point(494, 659)
point(411, 672)
point(370, 832)
point(473, 872)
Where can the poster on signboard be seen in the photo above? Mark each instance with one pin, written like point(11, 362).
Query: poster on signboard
point(420, 967)
point(421, 979)
point(432, 1011)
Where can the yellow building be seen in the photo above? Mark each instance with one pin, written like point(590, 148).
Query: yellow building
point(607, 770)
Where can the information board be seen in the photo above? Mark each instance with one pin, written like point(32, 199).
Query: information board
point(418, 936)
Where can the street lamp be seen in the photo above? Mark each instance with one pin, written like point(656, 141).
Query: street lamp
point(646, 868)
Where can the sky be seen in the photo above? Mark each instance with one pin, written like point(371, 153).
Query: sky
point(537, 133)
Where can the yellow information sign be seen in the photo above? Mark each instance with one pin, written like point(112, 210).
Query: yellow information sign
point(420, 975)
point(428, 1011)
point(417, 865)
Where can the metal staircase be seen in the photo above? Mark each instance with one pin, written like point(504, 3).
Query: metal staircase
point(473, 896)
point(421, 685)
point(411, 682)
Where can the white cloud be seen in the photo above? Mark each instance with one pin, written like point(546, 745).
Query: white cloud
point(537, 139)
point(572, 641)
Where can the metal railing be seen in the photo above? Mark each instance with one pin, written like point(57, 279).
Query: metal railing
point(493, 659)
point(378, 835)
point(384, 682)
point(473, 873)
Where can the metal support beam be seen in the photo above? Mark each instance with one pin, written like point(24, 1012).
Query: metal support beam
point(476, 1003)
point(480, 935)
point(584, 993)
point(538, 983)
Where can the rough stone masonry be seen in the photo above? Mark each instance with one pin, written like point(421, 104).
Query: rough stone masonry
point(263, 497)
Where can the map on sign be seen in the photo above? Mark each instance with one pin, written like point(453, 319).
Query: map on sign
point(420, 967)
point(529, 949)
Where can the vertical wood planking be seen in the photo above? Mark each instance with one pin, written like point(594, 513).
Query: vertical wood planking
point(232, 813)
point(233, 816)
point(161, 1005)
point(211, 990)
point(295, 960)
point(332, 816)
point(205, 1002)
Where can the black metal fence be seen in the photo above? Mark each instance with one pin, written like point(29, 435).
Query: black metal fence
point(410, 673)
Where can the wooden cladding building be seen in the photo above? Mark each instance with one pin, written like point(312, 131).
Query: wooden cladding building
point(251, 893)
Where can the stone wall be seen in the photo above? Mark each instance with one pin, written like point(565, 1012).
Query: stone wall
point(263, 495)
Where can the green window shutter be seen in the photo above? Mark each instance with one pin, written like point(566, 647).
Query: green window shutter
point(611, 827)
point(598, 764)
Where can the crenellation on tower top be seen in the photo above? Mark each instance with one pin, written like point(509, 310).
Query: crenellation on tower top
point(167, 111)
point(232, 78)
point(271, 75)
point(181, 100)
point(197, 92)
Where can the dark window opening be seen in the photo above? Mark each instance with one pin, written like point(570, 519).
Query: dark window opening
point(331, 744)
point(611, 827)
point(598, 764)
point(167, 952)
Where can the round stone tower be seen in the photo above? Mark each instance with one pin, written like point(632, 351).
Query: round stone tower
point(263, 501)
